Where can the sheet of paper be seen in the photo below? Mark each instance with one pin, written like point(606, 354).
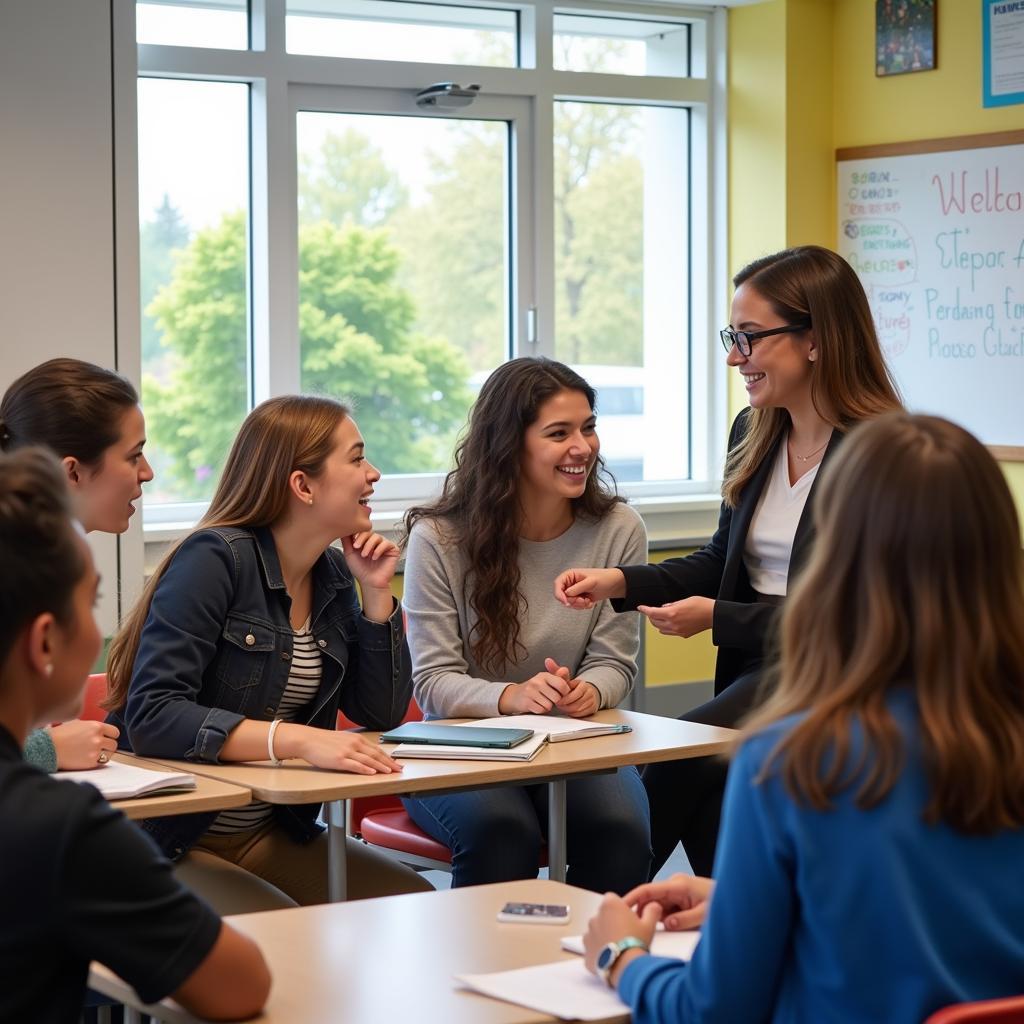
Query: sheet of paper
point(679, 945)
point(552, 725)
point(565, 989)
point(118, 781)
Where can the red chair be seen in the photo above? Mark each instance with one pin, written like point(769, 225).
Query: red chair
point(382, 821)
point(95, 690)
point(988, 1011)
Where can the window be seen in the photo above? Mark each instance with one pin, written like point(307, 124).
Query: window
point(306, 225)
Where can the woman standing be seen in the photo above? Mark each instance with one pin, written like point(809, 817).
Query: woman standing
point(802, 337)
point(250, 636)
point(525, 496)
point(90, 418)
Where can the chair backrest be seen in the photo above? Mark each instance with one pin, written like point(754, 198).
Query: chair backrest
point(362, 806)
point(988, 1011)
point(95, 690)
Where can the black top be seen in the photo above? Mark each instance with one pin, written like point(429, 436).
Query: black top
point(743, 629)
point(81, 883)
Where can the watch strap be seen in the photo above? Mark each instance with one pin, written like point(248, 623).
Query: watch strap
point(614, 951)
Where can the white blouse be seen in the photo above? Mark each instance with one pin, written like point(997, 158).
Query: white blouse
point(769, 545)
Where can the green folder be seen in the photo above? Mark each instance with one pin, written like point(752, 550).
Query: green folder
point(457, 735)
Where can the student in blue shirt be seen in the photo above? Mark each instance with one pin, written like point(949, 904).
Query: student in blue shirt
point(869, 867)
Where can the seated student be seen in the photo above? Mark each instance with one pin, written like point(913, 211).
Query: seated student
point(80, 882)
point(486, 637)
point(90, 417)
point(869, 867)
point(250, 635)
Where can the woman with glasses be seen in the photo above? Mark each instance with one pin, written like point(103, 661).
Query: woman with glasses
point(803, 340)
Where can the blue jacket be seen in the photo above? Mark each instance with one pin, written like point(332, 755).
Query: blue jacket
point(845, 916)
point(216, 648)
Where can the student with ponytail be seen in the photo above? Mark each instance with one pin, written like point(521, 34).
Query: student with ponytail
point(80, 881)
point(90, 418)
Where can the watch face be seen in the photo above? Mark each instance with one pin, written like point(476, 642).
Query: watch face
point(606, 956)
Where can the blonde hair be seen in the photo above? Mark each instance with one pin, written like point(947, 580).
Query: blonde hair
point(917, 581)
point(294, 432)
point(850, 381)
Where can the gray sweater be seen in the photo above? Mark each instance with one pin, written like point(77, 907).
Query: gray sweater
point(599, 645)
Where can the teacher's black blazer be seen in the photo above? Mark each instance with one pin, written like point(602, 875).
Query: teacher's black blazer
point(742, 628)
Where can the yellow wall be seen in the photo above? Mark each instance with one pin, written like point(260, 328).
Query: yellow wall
point(801, 85)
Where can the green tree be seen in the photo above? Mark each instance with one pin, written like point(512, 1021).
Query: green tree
point(201, 312)
point(408, 390)
point(598, 235)
point(159, 239)
point(348, 182)
point(456, 267)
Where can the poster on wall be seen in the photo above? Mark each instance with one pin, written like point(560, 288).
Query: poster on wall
point(1003, 52)
point(904, 36)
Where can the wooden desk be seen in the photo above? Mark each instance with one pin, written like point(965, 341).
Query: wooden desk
point(209, 795)
point(394, 959)
point(653, 739)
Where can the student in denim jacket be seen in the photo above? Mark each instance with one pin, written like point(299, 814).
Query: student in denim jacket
point(253, 620)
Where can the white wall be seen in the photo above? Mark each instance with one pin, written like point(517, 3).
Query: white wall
point(56, 198)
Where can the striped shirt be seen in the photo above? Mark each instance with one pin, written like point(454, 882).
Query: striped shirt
point(299, 692)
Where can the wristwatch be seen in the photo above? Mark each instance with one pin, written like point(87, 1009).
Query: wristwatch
point(609, 955)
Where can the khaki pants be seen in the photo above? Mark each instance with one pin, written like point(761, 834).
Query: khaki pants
point(267, 870)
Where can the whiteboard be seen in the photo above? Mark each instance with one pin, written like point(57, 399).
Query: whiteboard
point(936, 235)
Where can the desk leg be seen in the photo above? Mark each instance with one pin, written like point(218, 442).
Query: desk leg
point(556, 830)
point(337, 869)
point(132, 1016)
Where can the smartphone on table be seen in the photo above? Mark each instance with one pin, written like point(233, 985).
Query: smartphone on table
point(534, 913)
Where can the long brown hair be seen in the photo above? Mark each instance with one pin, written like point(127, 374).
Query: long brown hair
point(480, 499)
point(916, 580)
point(850, 381)
point(71, 406)
point(294, 432)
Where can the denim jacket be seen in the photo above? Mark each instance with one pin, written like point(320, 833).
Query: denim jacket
point(216, 649)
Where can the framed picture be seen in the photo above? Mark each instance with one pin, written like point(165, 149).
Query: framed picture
point(904, 36)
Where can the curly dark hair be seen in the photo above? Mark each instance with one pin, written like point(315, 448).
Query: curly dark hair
point(480, 499)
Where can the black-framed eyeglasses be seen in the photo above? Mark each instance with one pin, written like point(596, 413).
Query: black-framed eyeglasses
point(744, 340)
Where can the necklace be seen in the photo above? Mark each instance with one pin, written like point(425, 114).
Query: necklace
point(809, 455)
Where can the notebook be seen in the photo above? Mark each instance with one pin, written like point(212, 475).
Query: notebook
point(557, 728)
point(460, 736)
point(118, 781)
point(525, 751)
point(679, 945)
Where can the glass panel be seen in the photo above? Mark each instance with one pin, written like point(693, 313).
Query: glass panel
point(404, 273)
point(615, 46)
point(621, 277)
point(193, 245)
point(220, 24)
point(388, 30)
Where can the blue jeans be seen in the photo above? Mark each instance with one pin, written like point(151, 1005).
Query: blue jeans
point(496, 835)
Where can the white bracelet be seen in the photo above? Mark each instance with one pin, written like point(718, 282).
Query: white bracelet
point(270, 742)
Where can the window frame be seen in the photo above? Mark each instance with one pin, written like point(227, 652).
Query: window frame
point(682, 510)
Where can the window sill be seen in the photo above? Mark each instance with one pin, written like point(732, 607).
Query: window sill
point(672, 521)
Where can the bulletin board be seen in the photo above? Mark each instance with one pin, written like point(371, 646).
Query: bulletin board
point(935, 231)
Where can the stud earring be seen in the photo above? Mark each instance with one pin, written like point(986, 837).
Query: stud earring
point(310, 501)
point(48, 671)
